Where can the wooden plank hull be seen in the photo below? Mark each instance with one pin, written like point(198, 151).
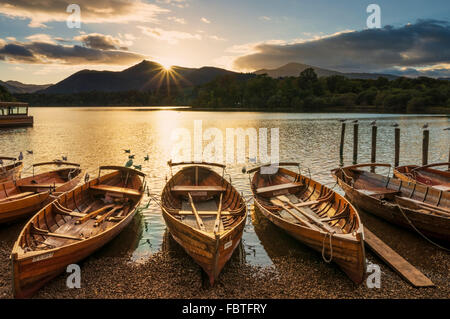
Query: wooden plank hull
point(11, 172)
point(30, 274)
point(430, 225)
point(209, 253)
point(348, 253)
point(35, 266)
point(14, 210)
point(425, 176)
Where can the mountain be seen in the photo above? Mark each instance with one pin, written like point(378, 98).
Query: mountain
point(144, 76)
point(18, 87)
point(294, 69)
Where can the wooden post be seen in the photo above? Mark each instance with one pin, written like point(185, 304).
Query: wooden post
point(355, 143)
point(373, 156)
point(397, 147)
point(426, 140)
point(341, 148)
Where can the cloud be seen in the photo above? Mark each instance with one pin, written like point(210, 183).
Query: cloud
point(46, 52)
point(424, 43)
point(40, 37)
point(98, 11)
point(217, 38)
point(203, 19)
point(176, 3)
point(102, 41)
point(177, 20)
point(172, 37)
point(265, 18)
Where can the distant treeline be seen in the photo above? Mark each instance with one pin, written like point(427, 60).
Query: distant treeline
point(304, 93)
point(5, 96)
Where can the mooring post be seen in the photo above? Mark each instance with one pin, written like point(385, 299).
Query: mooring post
point(373, 156)
point(341, 148)
point(355, 143)
point(397, 147)
point(426, 140)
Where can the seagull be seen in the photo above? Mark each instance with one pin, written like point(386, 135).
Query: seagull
point(395, 125)
point(447, 129)
point(29, 152)
point(64, 158)
point(131, 157)
point(146, 158)
point(342, 120)
point(20, 156)
point(373, 123)
point(127, 151)
point(129, 163)
point(355, 121)
point(244, 170)
point(138, 167)
point(425, 126)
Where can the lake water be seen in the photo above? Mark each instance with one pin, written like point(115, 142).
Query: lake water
point(99, 136)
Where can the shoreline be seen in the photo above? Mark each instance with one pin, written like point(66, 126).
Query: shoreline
point(300, 274)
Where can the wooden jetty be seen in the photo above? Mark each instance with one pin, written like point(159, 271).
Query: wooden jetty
point(14, 114)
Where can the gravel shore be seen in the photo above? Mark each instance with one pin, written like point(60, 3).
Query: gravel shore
point(301, 273)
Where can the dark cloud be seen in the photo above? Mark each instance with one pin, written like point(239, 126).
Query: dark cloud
point(101, 41)
point(427, 42)
point(92, 11)
point(48, 53)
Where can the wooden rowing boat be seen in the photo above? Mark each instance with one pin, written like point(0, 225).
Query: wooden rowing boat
point(204, 214)
point(21, 198)
point(425, 175)
point(10, 172)
point(313, 214)
point(406, 204)
point(74, 226)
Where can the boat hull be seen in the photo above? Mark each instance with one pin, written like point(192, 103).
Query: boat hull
point(21, 208)
point(211, 254)
point(348, 253)
point(430, 225)
point(11, 174)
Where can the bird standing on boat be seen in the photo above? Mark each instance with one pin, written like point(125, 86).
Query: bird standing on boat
point(64, 158)
point(30, 152)
point(127, 151)
point(138, 167)
point(146, 158)
point(129, 163)
point(20, 156)
point(131, 157)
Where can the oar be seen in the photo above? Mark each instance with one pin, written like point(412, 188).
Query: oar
point(93, 214)
point(104, 216)
point(278, 202)
point(219, 212)
point(197, 216)
point(312, 218)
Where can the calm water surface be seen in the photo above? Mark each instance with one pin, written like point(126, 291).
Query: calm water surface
point(99, 136)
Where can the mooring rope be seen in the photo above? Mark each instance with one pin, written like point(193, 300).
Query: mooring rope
point(331, 247)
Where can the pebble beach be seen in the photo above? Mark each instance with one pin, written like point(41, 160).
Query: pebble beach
point(301, 273)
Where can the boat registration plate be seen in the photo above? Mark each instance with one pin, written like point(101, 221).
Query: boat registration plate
point(228, 245)
point(42, 257)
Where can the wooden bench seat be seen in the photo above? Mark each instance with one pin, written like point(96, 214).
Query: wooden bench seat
point(278, 189)
point(116, 190)
point(201, 190)
point(443, 188)
point(39, 186)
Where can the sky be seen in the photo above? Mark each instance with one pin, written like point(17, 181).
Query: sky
point(38, 47)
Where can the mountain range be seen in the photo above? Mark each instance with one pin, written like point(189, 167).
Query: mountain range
point(18, 87)
point(294, 69)
point(144, 76)
point(148, 75)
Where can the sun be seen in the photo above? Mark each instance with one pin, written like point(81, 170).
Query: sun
point(166, 66)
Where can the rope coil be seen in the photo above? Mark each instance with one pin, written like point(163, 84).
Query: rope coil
point(331, 247)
